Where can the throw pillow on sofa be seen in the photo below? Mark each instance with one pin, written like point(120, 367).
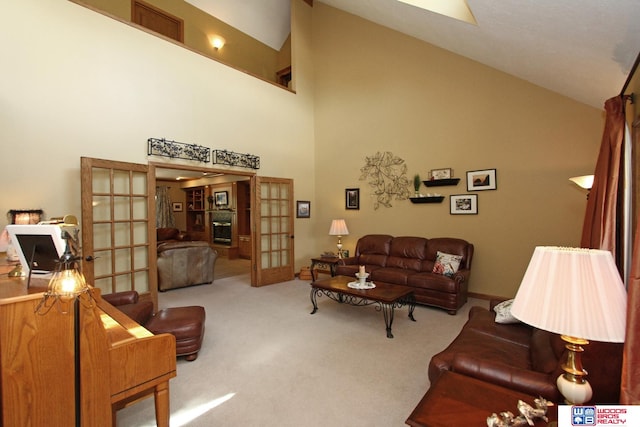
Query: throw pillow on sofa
point(446, 264)
point(503, 312)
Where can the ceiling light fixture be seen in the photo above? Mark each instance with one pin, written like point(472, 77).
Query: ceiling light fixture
point(456, 9)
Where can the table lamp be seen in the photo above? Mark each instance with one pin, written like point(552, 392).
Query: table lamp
point(578, 294)
point(339, 228)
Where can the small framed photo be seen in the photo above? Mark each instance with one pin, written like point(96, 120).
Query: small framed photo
point(464, 204)
point(177, 206)
point(221, 198)
point(352, 198)
point(303, 209)
point(441, 173)
point(481, 180)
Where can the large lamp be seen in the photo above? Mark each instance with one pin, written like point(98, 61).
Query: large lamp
point(339, 228)
point(578, 294)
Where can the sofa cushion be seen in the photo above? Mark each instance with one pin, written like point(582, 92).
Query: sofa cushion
point(446, 264)
point(503, 312)
point(407, 253)
point(433, 281)
point(543, 358)
point(482, 321)
point(397, 276)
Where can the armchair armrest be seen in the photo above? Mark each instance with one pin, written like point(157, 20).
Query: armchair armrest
point(121, 298)
point(527, 381)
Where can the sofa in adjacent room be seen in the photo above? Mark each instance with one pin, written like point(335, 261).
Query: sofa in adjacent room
point(183, 264)
point(519, 357)
point(438, 269)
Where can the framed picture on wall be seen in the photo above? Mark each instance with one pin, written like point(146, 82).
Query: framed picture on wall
point(352, 198)
point(481, 180)
point(177, 206)
point(464, 204)
point(221, 198)
point(303, 209)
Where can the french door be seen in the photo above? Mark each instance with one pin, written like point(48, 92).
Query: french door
point(272, 236)
point(118, 227)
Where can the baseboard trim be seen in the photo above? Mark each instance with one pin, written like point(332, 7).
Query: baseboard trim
point(486, 296)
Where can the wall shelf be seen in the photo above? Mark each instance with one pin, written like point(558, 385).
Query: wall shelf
point(441, 182)
point(434, 199)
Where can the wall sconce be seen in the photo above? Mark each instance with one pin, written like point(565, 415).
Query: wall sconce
point(339, 228)
point(217, 42)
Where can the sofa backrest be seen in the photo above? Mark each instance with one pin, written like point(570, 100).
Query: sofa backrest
point(373, 249)
point(407, 252)
point(451, 246)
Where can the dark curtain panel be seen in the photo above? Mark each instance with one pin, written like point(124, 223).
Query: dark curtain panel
point(630, 384)
point(599, 228)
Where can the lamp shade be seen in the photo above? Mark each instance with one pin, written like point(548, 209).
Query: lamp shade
point(338, 228)
point(584, 181)
point(573, 292)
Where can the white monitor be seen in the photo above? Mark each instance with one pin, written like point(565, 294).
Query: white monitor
point(38, 246)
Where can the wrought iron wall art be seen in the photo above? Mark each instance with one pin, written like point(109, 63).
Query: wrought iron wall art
point(387, 175)
point(178, 150)
point(224, 157)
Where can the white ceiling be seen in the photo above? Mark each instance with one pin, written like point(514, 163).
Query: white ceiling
point(583, 49)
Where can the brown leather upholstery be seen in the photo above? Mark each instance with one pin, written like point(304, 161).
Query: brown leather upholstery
point(128, 302)
point(168, 234)
point(409, 261)
point(183, 264)
point(525, 359)
point(186, 324)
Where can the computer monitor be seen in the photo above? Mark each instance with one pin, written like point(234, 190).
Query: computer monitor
point(39, 247)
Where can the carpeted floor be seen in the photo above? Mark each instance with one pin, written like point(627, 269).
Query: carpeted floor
point(266, 361)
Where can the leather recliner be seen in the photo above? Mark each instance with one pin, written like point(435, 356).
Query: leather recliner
point(183, 264)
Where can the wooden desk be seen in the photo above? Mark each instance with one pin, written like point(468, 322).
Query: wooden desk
point(457, 400)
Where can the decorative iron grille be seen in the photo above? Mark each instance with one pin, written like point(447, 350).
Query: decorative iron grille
point(178, 150)
point(224, 157)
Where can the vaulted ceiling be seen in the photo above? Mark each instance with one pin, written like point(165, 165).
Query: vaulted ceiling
point(583, 49)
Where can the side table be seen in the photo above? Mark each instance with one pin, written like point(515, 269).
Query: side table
point(326, 264)
point(458, 400)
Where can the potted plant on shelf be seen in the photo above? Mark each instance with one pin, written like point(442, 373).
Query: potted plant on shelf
point(416, 184)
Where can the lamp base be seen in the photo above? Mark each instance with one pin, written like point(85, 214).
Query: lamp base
point(575, 393)
point(573, 384)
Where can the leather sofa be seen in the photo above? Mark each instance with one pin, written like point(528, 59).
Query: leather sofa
point(522, 358)
point(164, 235)
point(410, 261)
point(183, 264)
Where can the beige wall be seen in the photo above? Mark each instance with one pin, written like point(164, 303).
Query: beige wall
point(242, 51)
point(378, 90)
point(78, 84)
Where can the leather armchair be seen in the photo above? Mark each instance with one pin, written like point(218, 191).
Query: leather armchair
point(129, 303)
point(183, 264)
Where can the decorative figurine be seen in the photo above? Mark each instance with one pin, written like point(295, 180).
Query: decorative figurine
point(528, 414)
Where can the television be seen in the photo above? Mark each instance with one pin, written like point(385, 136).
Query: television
point(39, 247)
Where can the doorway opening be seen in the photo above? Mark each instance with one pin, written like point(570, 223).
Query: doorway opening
point(213, 206)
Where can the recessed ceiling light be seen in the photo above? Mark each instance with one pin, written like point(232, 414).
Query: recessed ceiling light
point(456, 9)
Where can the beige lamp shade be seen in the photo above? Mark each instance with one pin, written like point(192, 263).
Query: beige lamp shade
point(573, 292)
point(338, 228)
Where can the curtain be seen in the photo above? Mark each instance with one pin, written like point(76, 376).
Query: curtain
point(164, 212)
point(599, 227)
point(630, 381)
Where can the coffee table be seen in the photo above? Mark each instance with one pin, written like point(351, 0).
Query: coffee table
point(386, 296)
